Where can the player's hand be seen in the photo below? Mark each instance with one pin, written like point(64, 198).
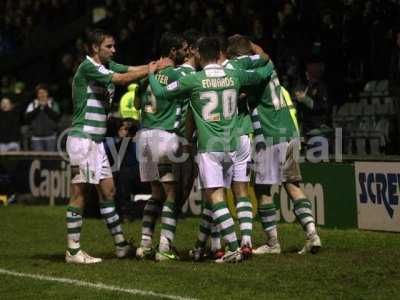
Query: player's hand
point(152, 67)
point(165, 62)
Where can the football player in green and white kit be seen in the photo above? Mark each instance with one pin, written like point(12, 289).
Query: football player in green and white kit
point(277, 147)
point(92, 92)
point(241, 167)
point(186, 171)
point(158, 146)
point(213, 96)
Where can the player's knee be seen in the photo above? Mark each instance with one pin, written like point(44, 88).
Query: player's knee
point(166, 172)
point(262, 190)
point(108, 194)
point(294, 191)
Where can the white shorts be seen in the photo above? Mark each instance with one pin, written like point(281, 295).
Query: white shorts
point(216, 169)
point(90, 157)
point(241, 165)
point(278, 163)
point(155, 146)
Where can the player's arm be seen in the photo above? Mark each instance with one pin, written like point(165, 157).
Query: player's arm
point(133, 73)
point(256, 76)
point(178, 89)
point(259, 51)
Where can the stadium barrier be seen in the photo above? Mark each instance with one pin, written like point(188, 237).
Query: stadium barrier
point(350, 194)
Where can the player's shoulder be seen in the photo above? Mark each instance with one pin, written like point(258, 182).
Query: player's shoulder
point(89, 65)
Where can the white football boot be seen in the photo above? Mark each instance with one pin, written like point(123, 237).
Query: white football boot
point(230, 257)
point(313, 245)
point(81, 258)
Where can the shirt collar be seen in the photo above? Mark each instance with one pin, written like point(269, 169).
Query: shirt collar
point(213, 66)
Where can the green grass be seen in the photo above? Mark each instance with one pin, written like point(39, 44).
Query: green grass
point(352, 265)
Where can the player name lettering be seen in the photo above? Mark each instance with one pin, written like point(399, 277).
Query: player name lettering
point(163, 79)
point(217, 82)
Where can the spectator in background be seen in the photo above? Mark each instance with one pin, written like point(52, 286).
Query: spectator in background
point(9, 126)
point(126, 174)
point(42, 115)
point(314, 109)
point(126, 104)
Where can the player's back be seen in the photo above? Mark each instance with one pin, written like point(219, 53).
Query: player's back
point(270, 114)
point(158, 112)
point(214, 106)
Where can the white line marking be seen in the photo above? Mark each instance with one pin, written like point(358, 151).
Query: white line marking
point(100, 286)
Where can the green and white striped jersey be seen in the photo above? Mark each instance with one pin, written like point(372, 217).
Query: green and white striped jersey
point(245, 62)
point(272, 113)
point(213, 96)
point(158, 112)
point(92, 93)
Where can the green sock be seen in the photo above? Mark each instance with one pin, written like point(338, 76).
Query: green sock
point(303, 212)
point(223, 219)
point(168, 225)
point(267, 214)
point(111, 218)
point(244, 210)
point(74, 226)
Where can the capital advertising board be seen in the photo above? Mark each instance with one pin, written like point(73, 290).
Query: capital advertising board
point(378, 192)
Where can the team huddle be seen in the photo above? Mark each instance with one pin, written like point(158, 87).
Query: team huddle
point(211, 107)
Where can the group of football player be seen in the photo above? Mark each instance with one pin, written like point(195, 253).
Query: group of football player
point(210, 107)
point(236, 93)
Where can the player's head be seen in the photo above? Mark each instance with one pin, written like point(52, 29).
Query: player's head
point(223, 45)
point(174, 47)
point(209, 50)
point(191, 36)
point(238, 45)
point(101, 44)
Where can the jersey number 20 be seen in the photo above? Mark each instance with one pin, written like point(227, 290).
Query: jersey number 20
point(229, 105)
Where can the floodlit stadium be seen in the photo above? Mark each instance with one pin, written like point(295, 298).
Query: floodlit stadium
point(199, 149)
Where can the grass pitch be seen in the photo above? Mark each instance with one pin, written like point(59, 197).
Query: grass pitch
point(352, 264)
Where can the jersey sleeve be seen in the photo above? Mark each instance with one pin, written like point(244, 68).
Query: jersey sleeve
point(118, 68)
point(248, 62)
point(178, 88)
point(253, 77)
point(98, 74)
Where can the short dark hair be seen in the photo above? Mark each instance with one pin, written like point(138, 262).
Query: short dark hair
point(223, 43)
point(238, 45)
point(209, 48)
point(41, 86)
point(96, 37)
point(168, 42)
point(191, 36)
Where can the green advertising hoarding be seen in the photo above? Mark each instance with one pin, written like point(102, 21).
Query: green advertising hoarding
point(331, 189)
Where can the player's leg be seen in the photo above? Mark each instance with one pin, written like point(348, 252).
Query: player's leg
point(244, 208)
point(77, 149)
point(152, 210)
point(204, 232)
point(267, 170)
point(151, 213)
point(169, 213)
point(167, 149)
point(302, 206)
point(106, 192)
point(267, 213)
point(215, 171)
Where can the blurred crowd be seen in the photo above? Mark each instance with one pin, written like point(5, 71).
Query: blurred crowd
point(324, 50)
